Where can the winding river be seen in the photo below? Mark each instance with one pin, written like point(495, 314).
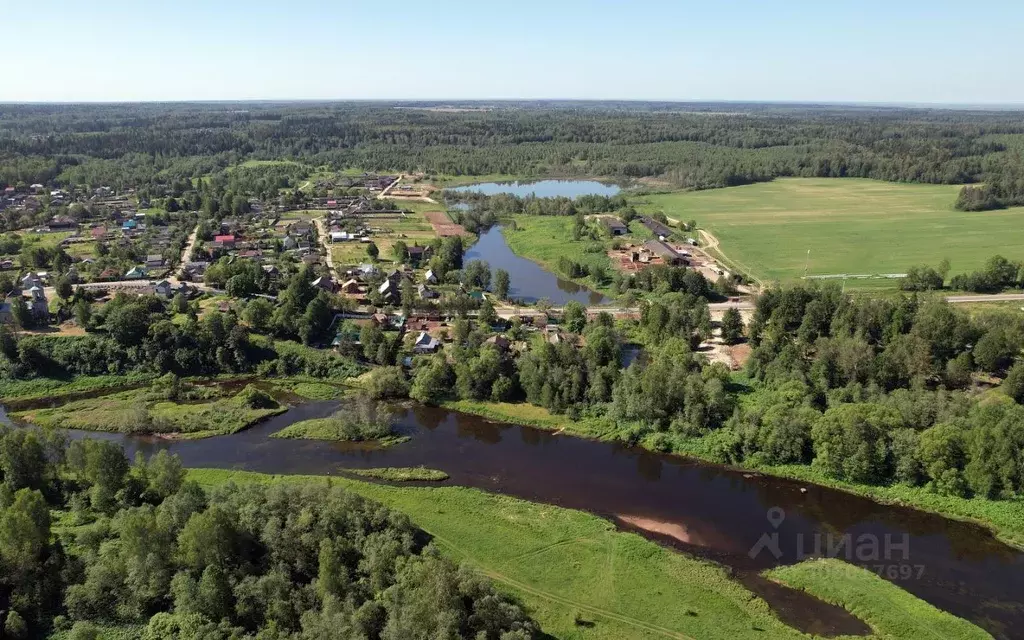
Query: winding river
point(707, 510)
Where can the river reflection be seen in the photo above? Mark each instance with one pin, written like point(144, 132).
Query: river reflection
point(528, 281)
point(707, 510)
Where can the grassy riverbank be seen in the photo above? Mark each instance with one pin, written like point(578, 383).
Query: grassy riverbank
point(580, 578)
point(890, 611)
point(50, 388)
point(401, 474)
point(141, 411)
point(1004, 517)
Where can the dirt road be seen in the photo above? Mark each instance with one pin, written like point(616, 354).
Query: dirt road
point(321, 229)
point(190, 246)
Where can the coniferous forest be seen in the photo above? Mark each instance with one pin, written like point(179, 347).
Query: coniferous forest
point(689, 146)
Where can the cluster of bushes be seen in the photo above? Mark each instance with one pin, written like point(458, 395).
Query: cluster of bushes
point(136, 544)
point(997, 274)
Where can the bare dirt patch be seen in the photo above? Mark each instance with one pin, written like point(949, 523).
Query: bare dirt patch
point(443, 225)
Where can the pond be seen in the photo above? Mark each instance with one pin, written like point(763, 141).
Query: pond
point(545, 188)
point(707, 510)
point(528, 281)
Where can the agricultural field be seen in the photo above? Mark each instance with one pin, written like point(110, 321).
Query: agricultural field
point(583, 580)
point(849, 225)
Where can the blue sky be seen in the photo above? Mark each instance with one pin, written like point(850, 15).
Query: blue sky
point(897, 51)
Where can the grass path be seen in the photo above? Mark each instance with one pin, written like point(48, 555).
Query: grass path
point(498, 576)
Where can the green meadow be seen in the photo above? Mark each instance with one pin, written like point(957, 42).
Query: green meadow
point(890, 611)
point(849, 225)
point(584, 580)
point(545, 239)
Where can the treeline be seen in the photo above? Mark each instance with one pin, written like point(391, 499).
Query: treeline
point(1004, 185)
point(869, 391)
point(132, 145)
point(136, 334)
point(997, 274)
point(89, 540)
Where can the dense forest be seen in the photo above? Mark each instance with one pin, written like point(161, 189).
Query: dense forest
point(691, 146)
point(88, 540)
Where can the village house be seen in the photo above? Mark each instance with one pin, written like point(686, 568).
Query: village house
point(154, 260)
point(429, 277)
point(350, 286)
point(389, 291)
point(325, 283)
point(61, 223)
point(136, 273)
point(418, 254)
point(38, 306)
point(501, 342)
point(30, 280)
point(225, 241)
point(425, 343)
point(163, 288)
point(426, 293)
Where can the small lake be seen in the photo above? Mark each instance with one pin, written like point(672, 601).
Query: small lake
point(528, 281)
point(545, 188)
point(706, 510)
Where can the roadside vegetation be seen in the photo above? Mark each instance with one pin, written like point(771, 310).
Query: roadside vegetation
point(890, 611)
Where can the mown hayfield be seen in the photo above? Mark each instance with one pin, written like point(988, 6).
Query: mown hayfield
point(849, 225)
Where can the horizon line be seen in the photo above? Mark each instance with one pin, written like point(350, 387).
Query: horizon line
point(442, 101)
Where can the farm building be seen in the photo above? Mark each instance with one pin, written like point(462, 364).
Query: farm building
point(663, 251)
point(656, 227)
point(615, 226)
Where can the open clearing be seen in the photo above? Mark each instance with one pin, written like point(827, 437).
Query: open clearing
point(849, 225)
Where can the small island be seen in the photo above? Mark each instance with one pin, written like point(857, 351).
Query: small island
point(401, 474)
